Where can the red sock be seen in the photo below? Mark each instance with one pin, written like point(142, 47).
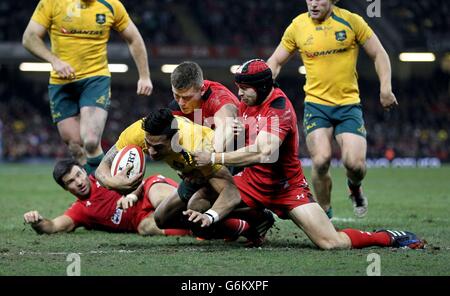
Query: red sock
point(361, 239)
point(176, 232)
point(232, 228)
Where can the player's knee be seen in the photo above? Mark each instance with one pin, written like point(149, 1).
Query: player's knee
point(91, 144)
point(355, 165)
point(147, 228)
point(75, 149)
point(321, 164)
point(158, 220)
point(329, 244)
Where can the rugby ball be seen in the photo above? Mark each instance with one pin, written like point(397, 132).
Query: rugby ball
point(129, 154)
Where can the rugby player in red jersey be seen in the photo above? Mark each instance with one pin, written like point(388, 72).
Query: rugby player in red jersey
point(103, 209)
point(204, 102)
point(273, 176)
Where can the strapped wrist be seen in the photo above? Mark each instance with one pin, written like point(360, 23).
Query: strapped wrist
point(212, 215)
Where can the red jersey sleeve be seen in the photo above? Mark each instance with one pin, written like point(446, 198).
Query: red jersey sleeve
point(76, 213)
point(219, 100)
point(277, 121)
point(218, 96)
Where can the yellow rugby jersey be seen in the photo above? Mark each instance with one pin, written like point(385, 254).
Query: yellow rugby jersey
point(192, 137)
point(329, 51)
point(79, 32)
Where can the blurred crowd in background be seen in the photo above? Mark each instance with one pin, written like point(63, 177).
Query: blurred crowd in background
point(419, 127)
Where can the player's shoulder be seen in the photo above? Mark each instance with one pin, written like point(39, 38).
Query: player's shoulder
point(113, 5)
point(353, 18)
point(217, 95)
point(215, 89)
point(187, 126)
point(279, 100)
point(112, 2)
point(137, 125)
point(301, 18)
point(300, 21)
point(279, 103)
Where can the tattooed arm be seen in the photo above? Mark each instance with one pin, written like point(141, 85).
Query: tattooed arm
point(119, 182)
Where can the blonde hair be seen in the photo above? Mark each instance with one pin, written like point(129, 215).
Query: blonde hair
point(334, 1)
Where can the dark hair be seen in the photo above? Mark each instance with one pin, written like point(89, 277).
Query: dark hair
point(160, 123)
point(186, 75)
point(62, 168)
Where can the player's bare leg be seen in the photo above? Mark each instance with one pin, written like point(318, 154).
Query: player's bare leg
point(69, 130)
point(319, 143)
point(92, 124)
point(169, 213)
point(354, 148)
point(148, 227)
point(318, 227)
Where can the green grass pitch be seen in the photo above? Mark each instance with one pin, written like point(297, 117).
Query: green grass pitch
point(407, 199)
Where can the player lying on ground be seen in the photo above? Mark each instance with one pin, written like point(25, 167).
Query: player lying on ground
point(273, 177)
point(102, 209)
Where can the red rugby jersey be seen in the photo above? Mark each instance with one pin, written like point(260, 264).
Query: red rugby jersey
point(99, 210)
point(276, 116)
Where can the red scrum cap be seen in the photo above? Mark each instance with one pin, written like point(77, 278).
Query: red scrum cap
point(256, 74)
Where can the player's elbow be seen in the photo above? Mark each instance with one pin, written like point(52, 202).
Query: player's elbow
point(26, 39)
point(101, 173)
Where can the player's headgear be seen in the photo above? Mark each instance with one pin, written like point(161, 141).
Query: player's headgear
point(256, 74)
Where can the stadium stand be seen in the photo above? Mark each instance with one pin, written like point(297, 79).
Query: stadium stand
point(420, 127)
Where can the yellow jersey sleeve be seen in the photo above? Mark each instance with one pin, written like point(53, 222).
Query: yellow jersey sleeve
point(121, 18)
point(288, 40)
point(43, 13)
point(361, 28)
point(133, 134)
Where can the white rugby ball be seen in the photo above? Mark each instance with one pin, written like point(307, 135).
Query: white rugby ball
point(129, 154)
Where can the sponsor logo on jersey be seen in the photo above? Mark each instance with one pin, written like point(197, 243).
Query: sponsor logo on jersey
point(117, 217)
point(341, 35)
point(324, 52)
point(100, 18)
point(81, 32)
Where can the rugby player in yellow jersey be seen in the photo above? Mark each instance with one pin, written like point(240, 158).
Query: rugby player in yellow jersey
point(79, 88)
point(328, 38)
point(172, 139)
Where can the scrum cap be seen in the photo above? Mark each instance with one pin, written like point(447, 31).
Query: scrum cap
point(256, 74)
